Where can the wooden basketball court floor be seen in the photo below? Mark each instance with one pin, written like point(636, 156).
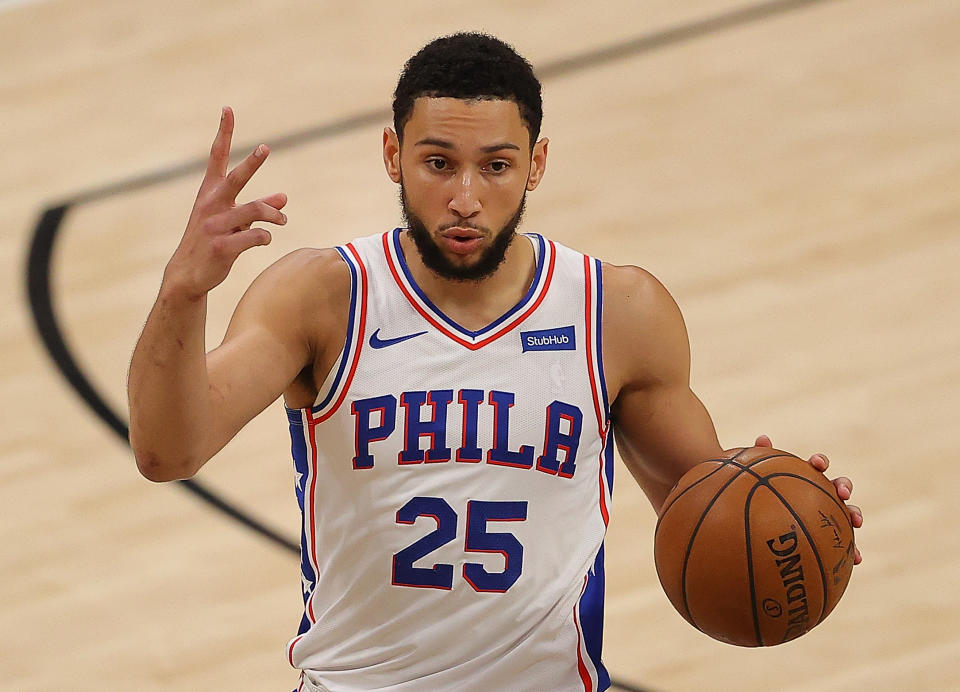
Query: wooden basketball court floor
point(791, 173)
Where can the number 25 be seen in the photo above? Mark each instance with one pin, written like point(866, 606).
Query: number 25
point(478, 540)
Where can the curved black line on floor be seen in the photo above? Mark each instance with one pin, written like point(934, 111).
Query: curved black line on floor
point(45, 233)
point(41, 305)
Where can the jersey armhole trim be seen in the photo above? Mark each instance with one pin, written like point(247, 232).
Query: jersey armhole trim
point(327, 403)
point(593, 316)
point(593, 320)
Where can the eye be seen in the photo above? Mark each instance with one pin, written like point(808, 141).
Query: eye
point(437, 164)
point(498, 166)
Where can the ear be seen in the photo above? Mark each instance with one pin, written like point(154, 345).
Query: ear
point(391, 154)
point(538, 164)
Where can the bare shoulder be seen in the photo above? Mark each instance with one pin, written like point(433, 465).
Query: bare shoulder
point(301, 295)
point(308, 271)
point(637, 303)
point(645, 339)
point(633, 289)
point(300, 305)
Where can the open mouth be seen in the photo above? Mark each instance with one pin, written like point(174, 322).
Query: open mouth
point(461, 233)
point(461, 241)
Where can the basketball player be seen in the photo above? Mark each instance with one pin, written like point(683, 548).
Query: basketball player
point(453, 392)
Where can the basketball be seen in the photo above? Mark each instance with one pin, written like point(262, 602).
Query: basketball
point(754, 549)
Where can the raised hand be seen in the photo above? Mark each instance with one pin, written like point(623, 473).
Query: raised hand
point(219, 229)
point(843, 485)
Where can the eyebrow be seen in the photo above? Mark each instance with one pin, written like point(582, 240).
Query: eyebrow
point(444, 144)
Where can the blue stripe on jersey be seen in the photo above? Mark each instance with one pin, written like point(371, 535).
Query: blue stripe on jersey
point(453, 325)
point(608, 463)
point(298, 448)
point(301, 465)
point(591, 619)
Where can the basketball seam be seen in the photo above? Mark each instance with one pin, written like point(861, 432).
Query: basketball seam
point(763, 482)
point(785, 474)
point(724, 461)
point(689, 549)
point(693, 536)
point(838, 503)
point(750, 575)
point(813, 546)
point(663, 510)
point(816, 553)
point(842, 508)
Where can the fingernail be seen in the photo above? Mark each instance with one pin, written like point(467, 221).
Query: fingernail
point(258, 152)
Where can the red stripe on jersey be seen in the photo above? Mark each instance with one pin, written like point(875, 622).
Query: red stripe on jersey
point(604, 512)
point(439, 325)
point(290, 652)
point(362, 299)
point(597, 407)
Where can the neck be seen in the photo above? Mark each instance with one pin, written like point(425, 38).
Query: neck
point(475, 304)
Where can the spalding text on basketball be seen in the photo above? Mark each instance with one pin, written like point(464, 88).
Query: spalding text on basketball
point(791, 574)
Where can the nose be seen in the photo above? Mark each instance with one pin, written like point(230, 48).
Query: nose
point(464, 202)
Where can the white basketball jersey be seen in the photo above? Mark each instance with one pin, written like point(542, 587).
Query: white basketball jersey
point(455, 487)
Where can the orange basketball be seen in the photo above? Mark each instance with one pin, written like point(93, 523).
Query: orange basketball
point(755, 549)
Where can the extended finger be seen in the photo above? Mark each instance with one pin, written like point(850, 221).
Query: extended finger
point(220, 151)
point(820, 462)
point(856, 516)
point(844, 487)
point(763, 441)
point(247, 214)
point(241, 175)
point(240, 241)
point(278, 200)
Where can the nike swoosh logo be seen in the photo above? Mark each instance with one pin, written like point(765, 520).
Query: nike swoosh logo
point(377, 342)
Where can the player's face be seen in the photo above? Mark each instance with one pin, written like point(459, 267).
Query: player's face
point(432, 252)
point(464, 170)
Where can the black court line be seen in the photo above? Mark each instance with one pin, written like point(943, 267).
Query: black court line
point(559, 68)
point(51, 220)
point(41, 304)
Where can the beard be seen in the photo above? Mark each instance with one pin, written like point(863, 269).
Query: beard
point(434, 259)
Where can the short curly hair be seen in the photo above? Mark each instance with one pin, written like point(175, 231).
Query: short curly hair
point(469, 66)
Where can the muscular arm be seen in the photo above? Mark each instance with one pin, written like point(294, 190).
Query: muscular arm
point(660, 426)
point(185, 404)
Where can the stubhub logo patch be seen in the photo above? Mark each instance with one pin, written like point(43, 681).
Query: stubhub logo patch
point(558, 339)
